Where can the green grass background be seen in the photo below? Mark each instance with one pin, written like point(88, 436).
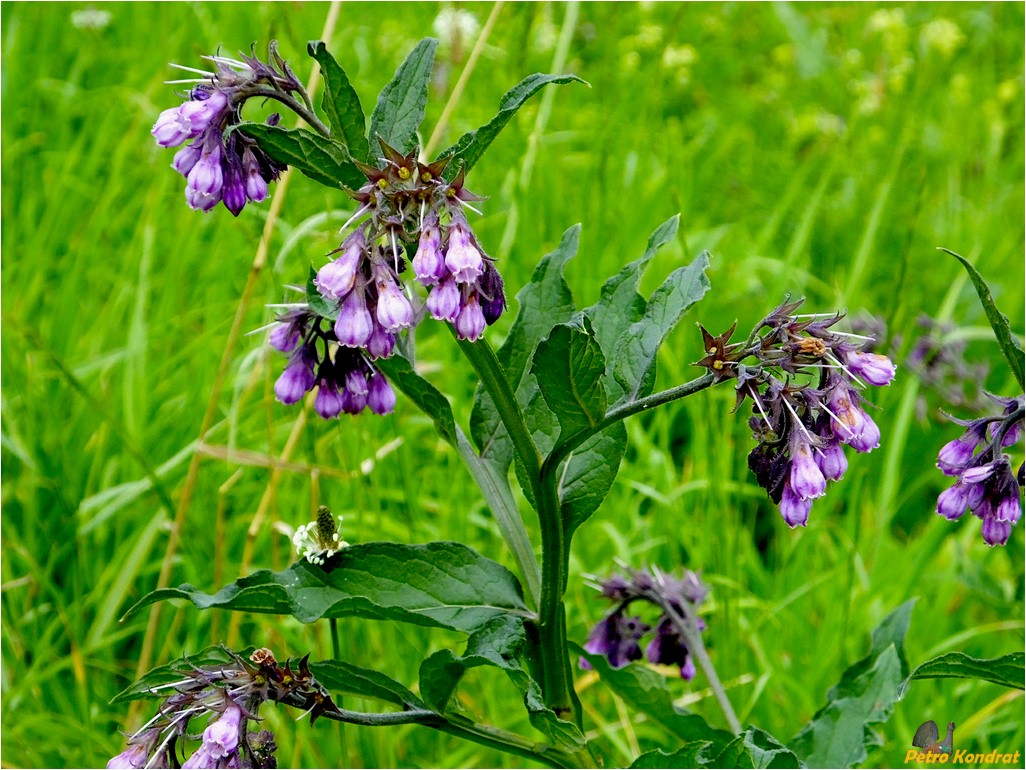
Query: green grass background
point(821, 149)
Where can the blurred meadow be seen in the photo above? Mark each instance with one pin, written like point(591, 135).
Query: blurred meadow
point(824, 150)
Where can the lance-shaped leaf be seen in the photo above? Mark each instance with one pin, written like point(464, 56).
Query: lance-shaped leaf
point(400, 108)
point(619, 304)
point(998, 321)
point(341, 103)
point(171, 672)
point(320, 159)
point(646, 691)
point(436, 584)
point(543, 302)
point(472, 145)
point(339, 676)
point(569, 366)
point(501, 643)
point(634, 359)
point(837, 736)
point(1007, 671)
point(589, 473)
point(421, 392)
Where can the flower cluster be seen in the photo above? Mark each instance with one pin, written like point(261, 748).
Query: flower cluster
point(985, 485)
point(217, 169)
point(346, 378)
point(230, 695)
point(806, 388)
point(319, 540)
point(618, 635)
point(410, 207)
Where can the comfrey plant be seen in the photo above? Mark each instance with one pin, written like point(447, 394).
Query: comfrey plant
point(550, 407)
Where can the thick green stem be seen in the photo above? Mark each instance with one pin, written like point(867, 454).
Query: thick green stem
point(557, 682)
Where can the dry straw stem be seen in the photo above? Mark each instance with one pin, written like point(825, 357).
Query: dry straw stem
point(259, 260)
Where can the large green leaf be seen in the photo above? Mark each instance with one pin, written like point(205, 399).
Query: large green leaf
point(501, 643)
point(400, 108)
point(691, 754)
point(339, 676)
point(634, 359)
point(172, 672)
point(998, 321)
point(646, 691)
point(436, 584)
point(1007, 671)
point(589, 473)
point(619, 304)
point(341, 103)
point(569, 366)
point(756, 749)
point(472, 145)
point(425, 395)
point(320, 159)
point(838, 734)
point(543, 303)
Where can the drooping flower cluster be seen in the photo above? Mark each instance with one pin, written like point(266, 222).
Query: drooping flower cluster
point(230, 170)
point(346, 378)
point(230, 696)
point(319, 540)
point(409, 207)
point(805, 386)
point(986, 485)
point(618, 635)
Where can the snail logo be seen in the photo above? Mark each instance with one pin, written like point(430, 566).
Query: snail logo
point(928, 739)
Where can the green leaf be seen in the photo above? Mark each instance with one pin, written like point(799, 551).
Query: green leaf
point(998, 321)
point(320, 159)
point(421, 392)
point(544, 302)
point(316, 300)
point(1007, 671)
point(569, 366)
point(172, 672)
point(338, 676)
point(501, 643)
point(646, 691)
point(635, 356)
point(401, 103)
point(436, 584)
point(838, 734)
point(589, 474)
point(341, 103)
point(756, 749)
point(619, 304)
point(691, 754)
point(472, 145)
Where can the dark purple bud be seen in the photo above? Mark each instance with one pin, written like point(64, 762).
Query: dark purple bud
point(1008, 509)
point(296, 380)
point(493, 297)
point(667, 648)
point(256, 185)
point(381, 343)
point(286, 334)
point(328, 402)
point(832, 460)
point(233, 195)
point(352, 404)
point(954, 455)
point(616, 637)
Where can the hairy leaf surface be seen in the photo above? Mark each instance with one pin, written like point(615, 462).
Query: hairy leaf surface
point(401, 103)
point(320, 159)
point(341, 104)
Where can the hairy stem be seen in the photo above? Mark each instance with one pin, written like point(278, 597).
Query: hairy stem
point(688, 629)
point(563, 449)
point(557, 683)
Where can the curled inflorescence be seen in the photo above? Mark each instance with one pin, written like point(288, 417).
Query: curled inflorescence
point(986, 485)
point(405, 207)
point(230, 696)
point(618, 635)
point(805, 386)
point(221, 165)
